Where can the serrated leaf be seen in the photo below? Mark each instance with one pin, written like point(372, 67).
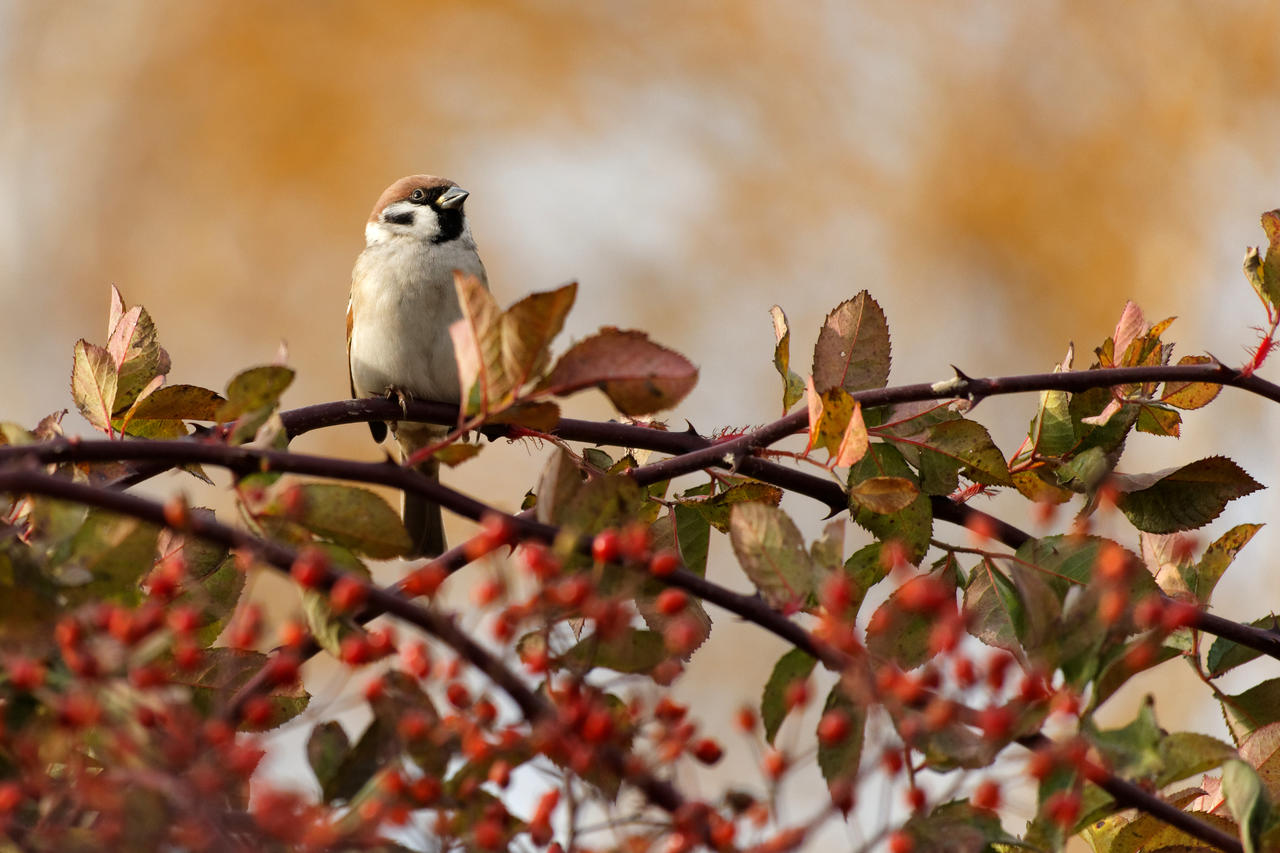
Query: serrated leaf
point(715, 508)
point(109, 554)
point(1146, 832)
point(901, 635)
point(139, 359)
point(1051, 432)
point(456, 453)
point(793, 666)
point(538, 416)
point(853, 350)
point(1216, 559)
point(1184, 754)
point(911, 526)
point(991, 607)
point(771, 551)
point(1254, 708)
point(224, 671)
point(958, 827)
point(638, 376)
point(1182, 498)
point(1225, 655)
point(1261, 751)
point(792, 384)
point(969, 445)
point(1157, 420)
point(164, 412)
point(631, 651)
point(1269, 269)
point(840, 760)
point(693, 537)
point(254, 389)
point(350, 516)
point(527, 329)
point(93, 384)
point(1190, 395)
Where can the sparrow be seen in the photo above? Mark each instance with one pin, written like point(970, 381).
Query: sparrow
point(402, 303)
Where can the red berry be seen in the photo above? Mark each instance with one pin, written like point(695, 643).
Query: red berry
point(634, 542)
point(774, 763)
point(707, 751)
point(833, 727)
point(664, 563)
point(900, 842)
point(671, 601)
point(311, 568)
point(426, 580)
point(347, 594)
point(605, 546)
point(986, 796)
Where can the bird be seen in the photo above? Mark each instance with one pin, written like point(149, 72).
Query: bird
point(403, 301)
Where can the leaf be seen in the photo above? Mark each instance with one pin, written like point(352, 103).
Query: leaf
point(93, 384)
point(991, 607)
point(792, 384)
point(138, 358)
point(715, 509)
point(1261, 751)
point(1254, 708)
point(477, 345)
point(1245, 796)
point(163, 413)
point(1184, 754)
point(1264, 275)
point(456, 453)
point(527, 329)
point(693, 537)
point(853, 351)
point(537, 416)
point(840, 760)
point(865, 568)
point(638, 376)
point(884, 495)
point(969, 444)
point(115, 552)
point(1158, 420)
point(1225, 655)
point(911, 526)
point(632, 651)
point(327, 746)
point(350, 516)
point(226, 670)
point(771, 551)
point(793, 666)
point(1051, 431)
point(1183, 498)
point(900, 634)
point(958, 827)
point(254, 389)
point(1217, 558)
point(1190, 395)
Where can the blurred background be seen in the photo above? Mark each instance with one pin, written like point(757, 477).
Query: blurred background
point(1000, 176)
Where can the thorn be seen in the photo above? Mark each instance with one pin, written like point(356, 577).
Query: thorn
point(690, 430)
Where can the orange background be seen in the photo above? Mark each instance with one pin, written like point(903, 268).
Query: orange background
point(1001, 177)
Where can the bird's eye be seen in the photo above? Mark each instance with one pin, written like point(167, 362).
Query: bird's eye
point(417, 195)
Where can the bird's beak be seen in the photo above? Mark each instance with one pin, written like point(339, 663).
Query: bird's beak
point(452, 197)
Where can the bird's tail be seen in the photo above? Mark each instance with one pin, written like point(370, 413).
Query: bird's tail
point(422, 518)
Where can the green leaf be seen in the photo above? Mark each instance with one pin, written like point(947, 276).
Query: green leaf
point(715, 508)
point(1254, 708)
point(902, 635)
point(967, 445)
point(1183, 498)
point(992, 606)
point(1225, 655)
point(1247, 799)
point(1146, 832)
point(1158, 420)
point(911, 526)
point(792, 384)
point(1190, 395)
point(852, 351)
point(94, 383)
point(109, 555)
point(254, 389)
point(1133, 749)
point(164, 412)
point(350, 516)
point(631, 651)
point(638, 376)
point(959, 827)
point(1217, 557)
point(793, 666)
point(771, 551)
point(840, 760)
point(883, 495)
point(1184, 754)
point(327, 746)
point(1264, 274)
point(693, 535)
point(865, 568)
